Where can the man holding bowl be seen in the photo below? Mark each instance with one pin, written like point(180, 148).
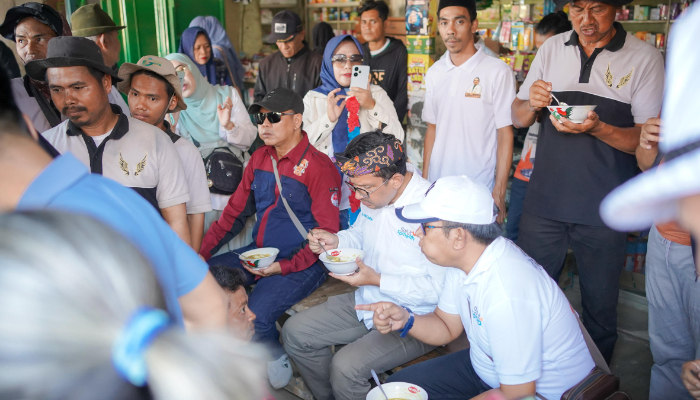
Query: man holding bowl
point(578, 164)
point(393, 269)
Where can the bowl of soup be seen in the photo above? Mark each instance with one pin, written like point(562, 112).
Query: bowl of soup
point(398, 391)
point(341, 261)
point(575, 114)
point(259, 258)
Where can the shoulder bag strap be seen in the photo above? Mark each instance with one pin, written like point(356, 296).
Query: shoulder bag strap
point(592, 348)
point(45, 106)
point(228, 67)
point(297, 223)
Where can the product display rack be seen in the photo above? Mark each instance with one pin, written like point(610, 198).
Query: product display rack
point(336, 24)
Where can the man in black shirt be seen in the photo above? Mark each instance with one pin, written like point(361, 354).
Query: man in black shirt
point(386, 56)
point(294, 67)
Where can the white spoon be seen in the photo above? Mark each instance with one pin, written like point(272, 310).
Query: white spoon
point(379, 385)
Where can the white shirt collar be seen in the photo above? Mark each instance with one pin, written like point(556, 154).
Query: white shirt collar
point(470, 64)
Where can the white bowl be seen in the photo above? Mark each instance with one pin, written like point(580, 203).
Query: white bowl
point(262, 262)
point(575, 114)
point(398, 390)
point(344, 267)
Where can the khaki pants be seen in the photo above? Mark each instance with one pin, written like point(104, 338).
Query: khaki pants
point(345, 375)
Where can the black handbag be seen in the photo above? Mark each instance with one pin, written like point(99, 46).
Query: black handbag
point(224, 171)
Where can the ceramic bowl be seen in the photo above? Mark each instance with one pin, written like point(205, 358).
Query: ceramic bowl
point(345, 267)
point(575, 114)
point(262, 262)
point(398, 390)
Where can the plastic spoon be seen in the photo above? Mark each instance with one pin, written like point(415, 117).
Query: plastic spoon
point(379, 385)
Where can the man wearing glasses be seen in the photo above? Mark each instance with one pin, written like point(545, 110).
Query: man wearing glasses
point(295, 66)
point(393, 270)
point(310, 185)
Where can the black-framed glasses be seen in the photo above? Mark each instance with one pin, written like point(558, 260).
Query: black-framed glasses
point(363, 192)
point(424, 226)
point(342, 59)
point(273, 117)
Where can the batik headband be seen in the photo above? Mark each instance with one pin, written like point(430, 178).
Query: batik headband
point(378, 158)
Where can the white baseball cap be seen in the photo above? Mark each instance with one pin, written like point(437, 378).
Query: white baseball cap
point(652, 197)
point(455, 199)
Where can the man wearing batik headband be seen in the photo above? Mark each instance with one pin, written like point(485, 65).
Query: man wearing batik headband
point(393, 269)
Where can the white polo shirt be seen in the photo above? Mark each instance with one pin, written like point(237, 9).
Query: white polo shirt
point(136, 154)
point(407, 277)
point(193, 165)
point(520, 325)
point(30, 107)
point(466, 117)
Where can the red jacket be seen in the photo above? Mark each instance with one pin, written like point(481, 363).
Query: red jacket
point(311, 185)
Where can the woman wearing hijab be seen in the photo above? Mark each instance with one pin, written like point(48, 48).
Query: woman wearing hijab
point(326, 115)
point(215, 117)
point(320, 35)
point(222, 47)
point(195, 43)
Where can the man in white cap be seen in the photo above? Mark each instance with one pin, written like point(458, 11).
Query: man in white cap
point(154, 90)
point(671, 192)
point(524, 336)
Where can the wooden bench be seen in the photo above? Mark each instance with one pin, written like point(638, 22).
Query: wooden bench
point(334, 287)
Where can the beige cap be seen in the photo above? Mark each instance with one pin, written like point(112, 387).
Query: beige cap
point(158, 65)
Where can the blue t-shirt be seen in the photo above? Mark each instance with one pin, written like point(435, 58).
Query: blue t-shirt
point(67, 185)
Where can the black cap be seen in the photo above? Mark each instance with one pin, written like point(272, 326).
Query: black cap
point(285, 25)
point(470, 5)
point(279, 100)
point(70, 51)
point(616, 3)
point(41, 12)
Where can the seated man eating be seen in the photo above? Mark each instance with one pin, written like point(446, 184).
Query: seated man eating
point(393, 270)
point(524, 336)
point(309, 184)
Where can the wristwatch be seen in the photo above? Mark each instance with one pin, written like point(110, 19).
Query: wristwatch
point(409, 324)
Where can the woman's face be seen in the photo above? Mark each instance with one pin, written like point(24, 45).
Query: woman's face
point(202, 49)
point(189, 85)
point(343, 70)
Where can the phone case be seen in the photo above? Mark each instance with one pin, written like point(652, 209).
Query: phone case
point(360, 76)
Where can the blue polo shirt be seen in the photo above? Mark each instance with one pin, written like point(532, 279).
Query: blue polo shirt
point(67, 185)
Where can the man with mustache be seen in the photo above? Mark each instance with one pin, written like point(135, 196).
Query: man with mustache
point(468, 133)
point(131, 152)
point(598, 63)
point(31, 26)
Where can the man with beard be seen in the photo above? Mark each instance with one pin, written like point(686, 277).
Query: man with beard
point(31, 26)
point(579, 164)
point(129, 151)
point(468, 133)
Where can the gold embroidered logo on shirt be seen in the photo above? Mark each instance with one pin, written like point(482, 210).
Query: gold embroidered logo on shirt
point(141, 166)
point(609, 77)
point(625, 79)
point(123, 164)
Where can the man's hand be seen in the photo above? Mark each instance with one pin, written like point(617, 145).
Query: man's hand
point(223, 111)
point(364, 276)
point(335, 109)
point(363, 96)
point(500, 201)
point(388, 317)
point(591, 125)
point(650, 134)
point(690, 376)
point(327, 239)
point(273, 269)
point(540, 95)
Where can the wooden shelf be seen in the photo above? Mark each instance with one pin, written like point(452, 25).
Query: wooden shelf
point(334, 5)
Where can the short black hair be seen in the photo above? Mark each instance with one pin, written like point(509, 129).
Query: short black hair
point(11, 121)
point(169, 89)
point(378, 5)
point(556, 22)
point(372, 140)
point(230, 279)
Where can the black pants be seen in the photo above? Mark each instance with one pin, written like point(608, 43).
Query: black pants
point(600, 255)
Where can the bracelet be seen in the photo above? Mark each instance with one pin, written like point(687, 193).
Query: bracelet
point(409, 324)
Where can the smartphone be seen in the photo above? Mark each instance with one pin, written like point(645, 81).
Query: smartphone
point(360, 76)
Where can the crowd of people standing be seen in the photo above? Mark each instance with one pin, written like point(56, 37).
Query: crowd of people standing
point(129, 193)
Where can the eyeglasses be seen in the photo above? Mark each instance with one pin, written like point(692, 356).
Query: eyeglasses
point(273, 117)
point(424, 226)
point(364, 193)
point(342, 59)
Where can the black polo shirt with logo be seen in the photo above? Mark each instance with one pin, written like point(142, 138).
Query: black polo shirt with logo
point(574, 172)
point(136, 154)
